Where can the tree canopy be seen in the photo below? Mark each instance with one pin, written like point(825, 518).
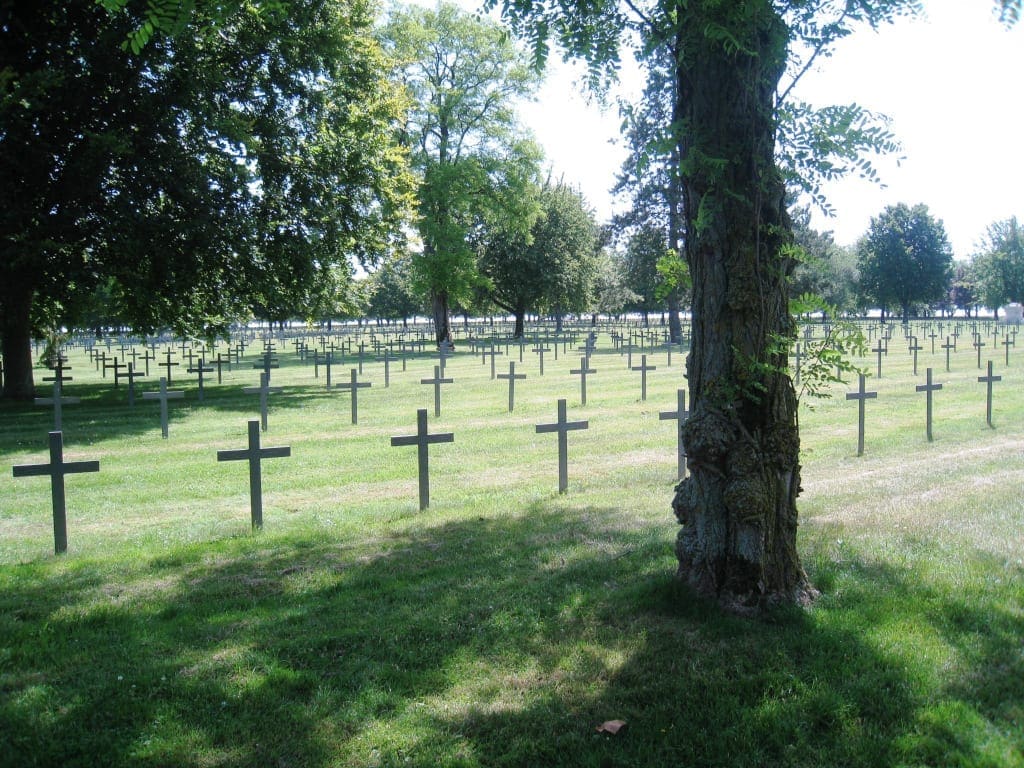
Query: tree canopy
point(476, 166)
point(905, 259)
point(204, 177)
point(997, 271)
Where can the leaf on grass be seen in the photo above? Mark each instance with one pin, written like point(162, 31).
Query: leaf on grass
point(611, 726)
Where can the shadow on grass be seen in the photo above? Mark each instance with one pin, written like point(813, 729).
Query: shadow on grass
point(487, 642)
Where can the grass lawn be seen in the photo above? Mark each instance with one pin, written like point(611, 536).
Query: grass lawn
point(505, 623)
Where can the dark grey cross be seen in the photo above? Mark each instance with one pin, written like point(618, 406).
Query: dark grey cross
point(511, 376)
point(562, 427)
point(56, 469)
point(948, 346)
point(354, 386)
point(582, 372)
point(115, 364)
point(147, 357)
point(163, 396)
point(57, 401)
point(860, 396)
point(131, 375)
point(928, 388)
point(1008, 342)
point(444, 350)
point(386, 357)
point(437, 381)
point(493, 354)
point(254, 454)
point(268, 362)
point(540, 349)
point(978, 344)
point(264, 390)
point(220, 361)
point(933, 335)
point(328, 362)
point(881, 349)
point(989, 380)
point(200, 369)
point(168, 365)
point(422, 440)
point(643, 368)
point(914, 348)
point(679, 415)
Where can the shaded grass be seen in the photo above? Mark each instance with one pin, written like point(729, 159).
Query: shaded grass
point(502, 625)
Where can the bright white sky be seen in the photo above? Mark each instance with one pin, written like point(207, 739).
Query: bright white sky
point(952, 84)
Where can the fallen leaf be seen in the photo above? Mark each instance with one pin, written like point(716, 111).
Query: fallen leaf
point(611, 726)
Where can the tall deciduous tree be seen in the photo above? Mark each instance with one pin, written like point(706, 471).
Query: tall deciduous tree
point(737, 508)
point(905, 259)
point(998, 269)
point(204, 176)
point(464, 76)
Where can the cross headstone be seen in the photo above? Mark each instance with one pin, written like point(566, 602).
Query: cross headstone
point(254, 454)
point(57, 401)
point(511, 376)
point(881, 349)
point(928, 388)
point(437, 381)
point(163, 396)
point(643, 368)
point(58, 372)
point(264, 390)
point(1008, 342)
point(422, 440)
point(582, 372)
point(978, 344)
point(354, 386)
point(679, 415)
point(131, 374)
point(989, 380)
point(267, 361)
point(914, 348)
point(562, 427)
point(860, 396)
point(493, 354)
point(168, 365)
point(539, 350)
point(200, 369)
point(56, 469)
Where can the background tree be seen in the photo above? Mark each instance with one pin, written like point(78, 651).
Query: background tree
point(391, 294)
point(646, 246)
point(202, 177)
point(998, 269)
point(612, 293)
point(463, 75)
point(825, 269)
point(905, 259)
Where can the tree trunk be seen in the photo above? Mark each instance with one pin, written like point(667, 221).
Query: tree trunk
point(737, 507)
point(442, 317)
point(16, 342)
point(675, 328)
point(520, 326)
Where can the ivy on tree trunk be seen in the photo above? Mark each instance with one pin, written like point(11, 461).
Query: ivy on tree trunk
point(737, 507)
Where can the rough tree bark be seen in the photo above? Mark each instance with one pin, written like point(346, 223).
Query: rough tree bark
point(16, 342)
point(442, 317)
point(737, 507)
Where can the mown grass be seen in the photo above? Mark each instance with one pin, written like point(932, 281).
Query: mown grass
point(501, 626)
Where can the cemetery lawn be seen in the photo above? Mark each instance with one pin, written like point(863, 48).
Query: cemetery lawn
point(504, 624)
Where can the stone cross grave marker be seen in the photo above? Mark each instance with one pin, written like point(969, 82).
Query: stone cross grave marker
point(948, 346)
point(437, 381)
point(492, 353)
point(978, 344)
point(928, 388)
point(163, 396)
point(511, 376)
point(422, 440)
point(57, 401)
point(254, 454)
point(220, 361)
point(354, 386)
point(264, 390)
point(116, 365)
point(58, 372)
point(582, 372)
point(200, 369)
point(860, 396)
point(988, 381)
point(881, 349)
point(562, 427)
point(539, 350)
point(914, 348)
point(679, 415)
point(131, 375)
point(643, 368)
point(168, 365)
point(56, 469)
point(267, 362)
point(1007, 342)
point(147, 357)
